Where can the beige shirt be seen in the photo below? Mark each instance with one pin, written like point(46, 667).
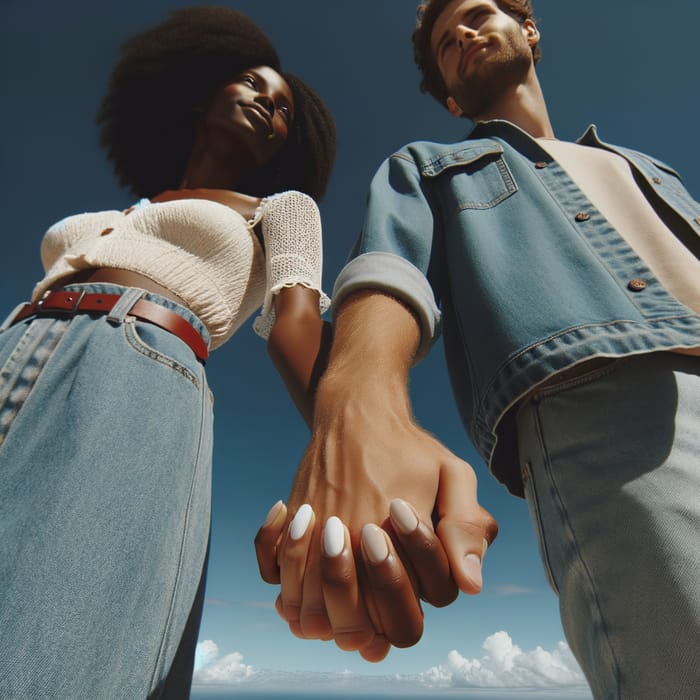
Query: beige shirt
point(202, 251)
point(607, 180)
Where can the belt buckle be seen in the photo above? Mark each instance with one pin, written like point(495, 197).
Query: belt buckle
point(70, 311)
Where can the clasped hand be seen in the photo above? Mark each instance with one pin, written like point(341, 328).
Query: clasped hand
point(355, 551)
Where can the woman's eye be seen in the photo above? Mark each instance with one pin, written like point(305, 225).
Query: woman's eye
point(285, 112)
point(249, 80)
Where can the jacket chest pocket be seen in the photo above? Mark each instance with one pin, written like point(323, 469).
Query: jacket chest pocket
point(479, 177)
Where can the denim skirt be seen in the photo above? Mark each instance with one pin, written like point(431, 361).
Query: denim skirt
point(105, 481)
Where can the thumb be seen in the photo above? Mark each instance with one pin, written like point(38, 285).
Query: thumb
point(464, 528)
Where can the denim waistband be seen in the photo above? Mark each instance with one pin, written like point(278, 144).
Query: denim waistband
point(108, 288)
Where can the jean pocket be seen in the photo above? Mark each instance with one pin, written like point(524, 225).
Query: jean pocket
point(577, 376)
point(479, 175)
point(533, 504)
point(162, 347)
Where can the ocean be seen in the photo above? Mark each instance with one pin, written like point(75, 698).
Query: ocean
point(451, 694)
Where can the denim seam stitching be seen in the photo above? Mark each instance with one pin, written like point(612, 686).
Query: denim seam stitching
point(573, 382)
point(19, 356)
point(179, 575)
point(135, 342)
point(612, 660)
point(529, 484)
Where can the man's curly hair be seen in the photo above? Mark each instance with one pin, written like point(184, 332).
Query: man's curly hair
point(431, 80)
point(148, 120)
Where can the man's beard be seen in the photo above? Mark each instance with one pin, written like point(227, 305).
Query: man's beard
point(495, 73)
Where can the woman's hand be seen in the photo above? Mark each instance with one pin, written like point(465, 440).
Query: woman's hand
point(395, 616)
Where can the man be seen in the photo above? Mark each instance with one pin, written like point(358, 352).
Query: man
point(567, 283)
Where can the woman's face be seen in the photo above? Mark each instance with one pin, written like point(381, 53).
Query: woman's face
point(253, 112)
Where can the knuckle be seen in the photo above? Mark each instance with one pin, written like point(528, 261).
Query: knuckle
point(339, 571)
point(353, 638)
point(408, 638)
point(391, 581)
point(270, 575)
point(314, 623)
point(479, 527)
point(291, 611)
point(426, 546)
point(442, 598)
point(343, 578)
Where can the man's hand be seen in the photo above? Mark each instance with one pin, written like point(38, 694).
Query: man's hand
point(366, 451)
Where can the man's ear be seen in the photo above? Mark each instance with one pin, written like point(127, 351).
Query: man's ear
point(453, 108)
point(532, 34)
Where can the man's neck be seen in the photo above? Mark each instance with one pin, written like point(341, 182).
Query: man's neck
point(524, 106)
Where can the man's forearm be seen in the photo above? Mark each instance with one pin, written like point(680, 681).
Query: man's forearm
point(375, 340)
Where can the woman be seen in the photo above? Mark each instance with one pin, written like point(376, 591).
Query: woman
point(105, 413)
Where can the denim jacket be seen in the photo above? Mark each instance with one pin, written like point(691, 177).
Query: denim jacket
point(490, 240)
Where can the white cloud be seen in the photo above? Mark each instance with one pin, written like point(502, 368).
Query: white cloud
point(218, 602)
point(205, 653)
point(506, 665)
point(212, 670)
point(508, 589)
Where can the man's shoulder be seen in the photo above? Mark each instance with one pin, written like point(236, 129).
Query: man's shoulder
point(639, 158)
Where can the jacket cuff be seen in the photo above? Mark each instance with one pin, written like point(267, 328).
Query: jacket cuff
point(393, 275)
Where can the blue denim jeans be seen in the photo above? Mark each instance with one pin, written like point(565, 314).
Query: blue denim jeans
point(611, 463)
point(105, 479)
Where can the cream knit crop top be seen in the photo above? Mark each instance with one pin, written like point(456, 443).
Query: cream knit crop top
point(204, 252)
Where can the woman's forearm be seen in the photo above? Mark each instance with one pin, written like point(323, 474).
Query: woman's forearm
point(299, 344)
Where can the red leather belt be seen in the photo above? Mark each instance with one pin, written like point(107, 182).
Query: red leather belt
point(80, 302)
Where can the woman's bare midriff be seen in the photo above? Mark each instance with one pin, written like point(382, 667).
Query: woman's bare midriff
point(115, 275)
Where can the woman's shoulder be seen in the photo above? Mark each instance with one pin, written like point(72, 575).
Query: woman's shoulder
point(291, 202)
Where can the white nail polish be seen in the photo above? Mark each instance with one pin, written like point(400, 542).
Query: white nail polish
point(301, 521)
point(472, 569)
point(374, 543)
point(272, 514)
point(333, 537)
point(402, 516)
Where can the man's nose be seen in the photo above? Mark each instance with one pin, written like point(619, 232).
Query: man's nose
point(464, 35)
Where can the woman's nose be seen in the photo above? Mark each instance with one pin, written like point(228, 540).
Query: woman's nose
point(266, 102)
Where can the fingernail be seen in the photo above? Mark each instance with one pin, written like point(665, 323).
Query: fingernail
point(301, 521)
point(402, 516)
point(272, 514)
point(472, 568)
point(374, 543)
point(333, 537)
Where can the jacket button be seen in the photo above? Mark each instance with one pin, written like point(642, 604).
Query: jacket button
point(107, 231)
point(636, 285)
point(656, 180)
point(540, 164)
point(582, 216)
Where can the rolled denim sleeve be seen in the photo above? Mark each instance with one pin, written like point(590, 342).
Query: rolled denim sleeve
point(394, 253)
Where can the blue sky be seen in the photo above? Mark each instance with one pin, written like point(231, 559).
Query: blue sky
point(629, 66)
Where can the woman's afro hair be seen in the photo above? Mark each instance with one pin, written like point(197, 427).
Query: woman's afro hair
point(148, 117)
